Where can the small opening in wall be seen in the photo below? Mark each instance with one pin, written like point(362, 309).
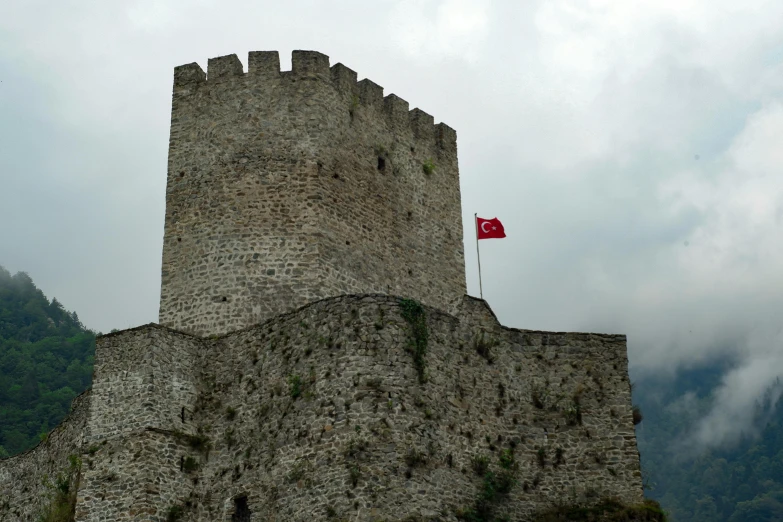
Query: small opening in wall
point(182, 414)
point(347, 242)
point(413, 149)
point(410, 214)
point(336, 176)
point(224, 299)
point(241, 511)
point(179, 240)
point(381, 164)
point(410, 272)
point(181, 173)
point(182, 463)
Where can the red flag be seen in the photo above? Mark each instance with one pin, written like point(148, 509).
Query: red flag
point(489, 228)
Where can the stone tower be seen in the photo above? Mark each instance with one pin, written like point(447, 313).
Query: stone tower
point(287, 381)
point(287, 187)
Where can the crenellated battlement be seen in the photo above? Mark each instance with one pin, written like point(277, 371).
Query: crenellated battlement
point(312, 65)
point(289, 186)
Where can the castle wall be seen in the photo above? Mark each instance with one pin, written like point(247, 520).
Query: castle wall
point(28, 481)
point(145, 387)
point(321, 411)
point(286, 187)
point(289, 188)
point(144, 377)
point(134, 477)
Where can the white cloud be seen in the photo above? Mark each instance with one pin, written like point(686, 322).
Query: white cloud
point(743, 402)
point(433, 29)
point(152, 16)
point(579, 122)
point(742, 196)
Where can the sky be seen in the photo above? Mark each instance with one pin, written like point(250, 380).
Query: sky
point(632, 151)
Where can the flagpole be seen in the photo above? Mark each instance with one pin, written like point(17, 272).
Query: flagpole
point(478, 254)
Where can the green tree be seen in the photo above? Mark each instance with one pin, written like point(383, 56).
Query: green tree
point(736, 482)
point(46, 359)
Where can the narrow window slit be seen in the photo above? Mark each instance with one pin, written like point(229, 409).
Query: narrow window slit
point(241, 510)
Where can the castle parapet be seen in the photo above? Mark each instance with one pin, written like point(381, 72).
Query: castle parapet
point(223, 66)
point(265, 65)
point(188, 74)
point(310, 64)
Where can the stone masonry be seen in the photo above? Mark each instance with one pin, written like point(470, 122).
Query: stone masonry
point(313, 392)
point(28, 481)
point(285, 187)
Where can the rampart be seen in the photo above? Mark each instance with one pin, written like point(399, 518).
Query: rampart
point(146, 383)
point(29, 481)
point(323, 412)
point(287, 187)
point(151, 371)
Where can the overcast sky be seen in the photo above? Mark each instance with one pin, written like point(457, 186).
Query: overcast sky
point(633, 151)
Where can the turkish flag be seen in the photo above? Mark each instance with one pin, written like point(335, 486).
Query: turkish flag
point(490, 228)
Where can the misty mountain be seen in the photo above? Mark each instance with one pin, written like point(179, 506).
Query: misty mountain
point(46, 359)
point(734, 481)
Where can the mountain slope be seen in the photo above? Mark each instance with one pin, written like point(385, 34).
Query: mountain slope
point(46, 359)
point(737, 483)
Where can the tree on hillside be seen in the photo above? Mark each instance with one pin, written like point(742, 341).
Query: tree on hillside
point(737, 483)
point(46, 359)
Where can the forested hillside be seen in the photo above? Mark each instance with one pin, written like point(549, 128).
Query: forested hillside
point(46, 358)
point(742, 482)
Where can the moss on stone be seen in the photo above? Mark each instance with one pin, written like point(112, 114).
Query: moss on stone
point(608, 510)
point(413, 313)
point(62, 507)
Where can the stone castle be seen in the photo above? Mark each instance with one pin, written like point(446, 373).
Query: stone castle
point(286, 380)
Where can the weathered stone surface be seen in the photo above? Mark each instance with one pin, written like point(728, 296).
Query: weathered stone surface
point(289, 407)
point(303, 187)
point(28, 480)
point(288, 187)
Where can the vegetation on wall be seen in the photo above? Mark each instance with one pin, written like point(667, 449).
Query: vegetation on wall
point(46, 359)
point(413, 313)
point(495, 486)
point(428, 167)
point(62, 506)
point(607, 510)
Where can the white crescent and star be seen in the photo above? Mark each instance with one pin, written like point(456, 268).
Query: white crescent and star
point(484, 229)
